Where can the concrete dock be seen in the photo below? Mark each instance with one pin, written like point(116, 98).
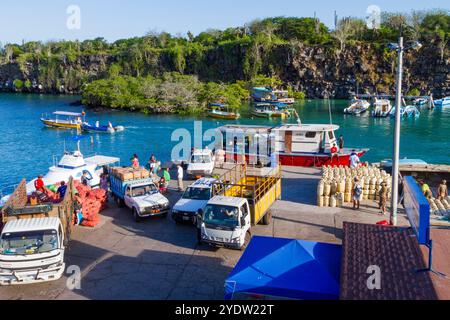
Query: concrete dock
point(159, 259)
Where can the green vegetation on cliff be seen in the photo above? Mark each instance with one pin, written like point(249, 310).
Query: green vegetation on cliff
point(162, 72)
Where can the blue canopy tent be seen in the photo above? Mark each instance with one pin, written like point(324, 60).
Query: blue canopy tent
point(286, 268)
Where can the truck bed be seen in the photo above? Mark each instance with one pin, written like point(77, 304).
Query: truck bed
point(260, 191)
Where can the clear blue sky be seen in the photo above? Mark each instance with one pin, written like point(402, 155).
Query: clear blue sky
point(113, 19)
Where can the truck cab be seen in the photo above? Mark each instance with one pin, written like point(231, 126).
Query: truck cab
point(145, 200)
point(201, 163)
point(195, 197)
point(32, 250)
point(225, 221)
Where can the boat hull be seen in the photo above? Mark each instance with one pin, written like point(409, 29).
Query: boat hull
point(317, 160)
point(60, 124)
point(308, 159)
point(230, 116)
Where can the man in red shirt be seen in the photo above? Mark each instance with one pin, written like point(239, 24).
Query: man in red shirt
point(334, 153)
point(39, 184)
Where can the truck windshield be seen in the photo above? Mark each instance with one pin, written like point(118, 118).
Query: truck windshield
point(200, 158)
point(197, 193)
point(30, 242)
point(225, 216)
point(144, 190)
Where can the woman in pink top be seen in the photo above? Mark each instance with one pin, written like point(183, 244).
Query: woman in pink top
point(135, 161)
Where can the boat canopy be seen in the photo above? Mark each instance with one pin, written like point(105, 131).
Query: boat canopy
point(287, 268)
point(101, 161)
point(261, 89)
point(67, 113)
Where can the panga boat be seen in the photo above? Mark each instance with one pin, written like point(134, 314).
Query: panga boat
point(357, 107)
point(406, 111)
point(303, 145)
point(263, 94)
point(220, 111)
point(382, 108)
point(73, 164)
point(444, 102)
point(70, 120)
point(101, 129)
point(269, 110)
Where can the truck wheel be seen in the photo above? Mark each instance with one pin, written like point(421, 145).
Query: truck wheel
point(267, 217)
point(248, 237)
point(136, 215)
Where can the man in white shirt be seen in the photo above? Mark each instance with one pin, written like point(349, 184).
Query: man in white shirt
point(180, 175)
point(354, 160)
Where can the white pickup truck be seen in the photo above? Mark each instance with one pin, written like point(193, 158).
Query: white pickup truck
point(201, 163)
point(195, 197)
point(141, 196)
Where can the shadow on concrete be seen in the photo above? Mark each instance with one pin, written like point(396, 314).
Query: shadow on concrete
point(299, 191)
point(150, 275)
point(327, 229)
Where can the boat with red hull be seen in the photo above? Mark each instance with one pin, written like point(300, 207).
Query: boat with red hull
point(302, 145)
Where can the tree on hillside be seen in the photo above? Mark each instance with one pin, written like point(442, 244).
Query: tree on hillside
point(343, 32)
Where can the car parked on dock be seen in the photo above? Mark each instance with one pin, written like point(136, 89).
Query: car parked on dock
point(195, 197)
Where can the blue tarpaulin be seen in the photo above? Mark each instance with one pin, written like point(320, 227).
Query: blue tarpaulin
point(287, 268)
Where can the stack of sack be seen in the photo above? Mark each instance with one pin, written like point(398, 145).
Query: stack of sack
point(92, 201)
point(337, 183)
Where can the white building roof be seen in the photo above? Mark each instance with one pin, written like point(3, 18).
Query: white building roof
point(227, 201)
point(33, 224)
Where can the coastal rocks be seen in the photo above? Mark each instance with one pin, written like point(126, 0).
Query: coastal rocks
point(318, 71)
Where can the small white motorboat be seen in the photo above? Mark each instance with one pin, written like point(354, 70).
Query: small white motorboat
point(357, 107)
point(382, 108)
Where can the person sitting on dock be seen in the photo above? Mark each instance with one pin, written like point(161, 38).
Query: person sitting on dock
point(443, 190)
point(62, 190)
point(357, 193)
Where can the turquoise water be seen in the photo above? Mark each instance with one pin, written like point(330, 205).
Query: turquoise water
point(27, 146)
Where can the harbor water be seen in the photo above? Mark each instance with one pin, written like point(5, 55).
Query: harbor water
point(28, 148)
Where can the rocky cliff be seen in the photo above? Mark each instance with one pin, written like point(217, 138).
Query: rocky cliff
point(315, 70)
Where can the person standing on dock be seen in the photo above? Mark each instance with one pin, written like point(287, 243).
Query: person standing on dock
point(442, 190)
point(135, 161)
point(341, 142)
point(383, 198)
point(180, 176)
point(357, 193)
point(354, 160)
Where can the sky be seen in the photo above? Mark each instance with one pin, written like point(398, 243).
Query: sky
point(46, 20)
